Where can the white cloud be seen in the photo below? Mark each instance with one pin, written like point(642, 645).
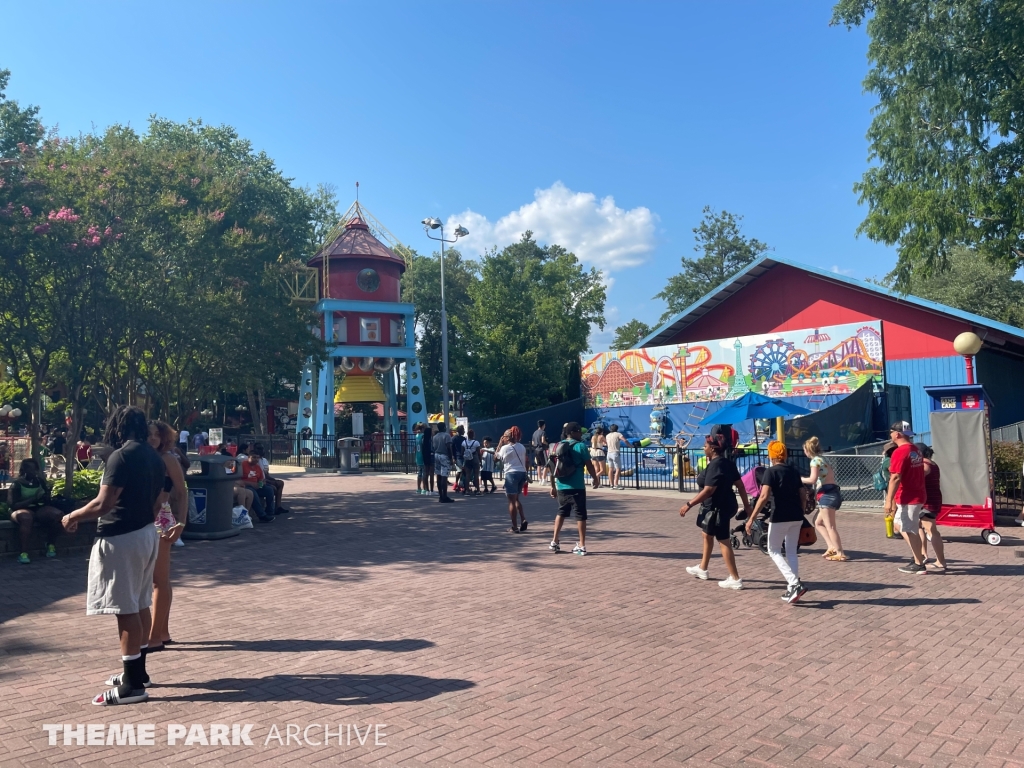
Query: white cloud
point(597, 231)
point(840, 271)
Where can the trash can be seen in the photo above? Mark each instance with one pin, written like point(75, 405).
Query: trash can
point(214, 492)
point(348, 456)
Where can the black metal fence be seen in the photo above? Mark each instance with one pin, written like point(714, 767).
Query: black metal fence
point(643, 468)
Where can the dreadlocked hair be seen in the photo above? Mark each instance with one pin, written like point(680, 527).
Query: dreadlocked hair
point(126, 423)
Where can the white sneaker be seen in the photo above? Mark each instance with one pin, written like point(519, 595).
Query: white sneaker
point(179, 543)
point(731, 583)
point(696, 570)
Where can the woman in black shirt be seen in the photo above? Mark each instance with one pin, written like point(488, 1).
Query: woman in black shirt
point(718, 506)
point(783, 485)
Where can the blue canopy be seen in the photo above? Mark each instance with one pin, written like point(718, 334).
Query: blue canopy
point(753, 406)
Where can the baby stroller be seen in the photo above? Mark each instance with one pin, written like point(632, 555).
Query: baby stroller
point(758, 536)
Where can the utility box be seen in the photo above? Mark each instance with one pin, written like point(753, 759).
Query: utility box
point(214, 491)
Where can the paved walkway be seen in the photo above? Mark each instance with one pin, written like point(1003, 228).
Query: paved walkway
point(471, 646)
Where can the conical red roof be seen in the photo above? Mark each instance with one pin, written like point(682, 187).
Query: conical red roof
point(356, 241)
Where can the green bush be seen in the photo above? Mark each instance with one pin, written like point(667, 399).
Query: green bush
point(1007, 458)
point(84, 487)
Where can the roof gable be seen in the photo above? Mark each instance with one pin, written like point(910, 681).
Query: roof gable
point(706, 304)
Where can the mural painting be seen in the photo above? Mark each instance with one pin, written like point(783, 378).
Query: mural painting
point(813, 362)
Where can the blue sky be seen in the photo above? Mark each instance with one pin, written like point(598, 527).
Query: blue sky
point(604, 126)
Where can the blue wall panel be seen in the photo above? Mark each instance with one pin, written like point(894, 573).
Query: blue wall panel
point(921, 373)
point(1002, 377)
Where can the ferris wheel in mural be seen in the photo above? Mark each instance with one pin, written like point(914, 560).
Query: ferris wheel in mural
point(774, 359)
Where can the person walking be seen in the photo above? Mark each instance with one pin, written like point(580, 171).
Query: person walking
point(830, 497)
point(718, 506)
point(170, 523)
point(613, 444)
point(183, 436)
point(459, 457)
point(783, 485)
point(418, 431)
point(428, 459)
point(932, 508)
point(513, 457)
point(471, 462)
point(125, 551)
point(487, 466)
point(599, 450)
point(28, 498)
point(569, 486)
point(539, 447)
point(906, 495)
point(442, 450)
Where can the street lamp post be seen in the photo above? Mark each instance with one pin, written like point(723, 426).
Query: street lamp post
point(429, 224)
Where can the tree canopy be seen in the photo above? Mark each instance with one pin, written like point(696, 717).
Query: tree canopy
point(973, 285)
point(627, 336)
point(725, 252)
point(946, 142)
point(517, 322)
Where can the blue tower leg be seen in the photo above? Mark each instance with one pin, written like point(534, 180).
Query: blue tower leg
point(323, 412)
point(307, 388)
point(415, 402)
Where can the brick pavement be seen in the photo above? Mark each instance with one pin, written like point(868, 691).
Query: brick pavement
point(371, 604)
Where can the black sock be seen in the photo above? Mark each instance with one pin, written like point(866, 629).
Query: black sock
point(144, 650)
point(131, 678)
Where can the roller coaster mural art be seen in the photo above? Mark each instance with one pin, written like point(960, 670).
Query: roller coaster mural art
point(815, 361)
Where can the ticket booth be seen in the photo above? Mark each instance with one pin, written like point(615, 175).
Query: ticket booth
point(962, 441)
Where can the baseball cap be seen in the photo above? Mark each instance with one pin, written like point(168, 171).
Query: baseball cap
point(903, 428)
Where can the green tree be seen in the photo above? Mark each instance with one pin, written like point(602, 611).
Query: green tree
point(627, 336)
point(17, 126)
point(725, 252)
point(973, 285)
point(421, 286)
point(533, 308)
point(947, 139)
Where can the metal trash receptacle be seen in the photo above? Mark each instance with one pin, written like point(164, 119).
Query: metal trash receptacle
point(214, 492)
point(348, 456)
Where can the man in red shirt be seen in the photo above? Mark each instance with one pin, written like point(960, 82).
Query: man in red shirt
point(907, 495)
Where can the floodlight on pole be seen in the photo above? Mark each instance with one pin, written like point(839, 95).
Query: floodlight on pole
point(460, 231)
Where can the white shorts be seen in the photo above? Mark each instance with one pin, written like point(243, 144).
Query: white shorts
point(613, 461)
point(908, 517)
point(121, 572)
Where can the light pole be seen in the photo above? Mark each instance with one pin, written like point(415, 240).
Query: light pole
point(429, 224)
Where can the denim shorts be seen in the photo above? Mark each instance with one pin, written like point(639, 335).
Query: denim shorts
point(514, 482)
point(830, 496)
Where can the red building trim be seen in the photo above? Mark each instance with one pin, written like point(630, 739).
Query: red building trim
point(788, 299)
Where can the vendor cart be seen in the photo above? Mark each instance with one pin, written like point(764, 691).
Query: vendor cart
point(962, 441)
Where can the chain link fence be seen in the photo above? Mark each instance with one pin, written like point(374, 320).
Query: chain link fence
point(860, 477)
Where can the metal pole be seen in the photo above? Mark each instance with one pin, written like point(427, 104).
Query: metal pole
point(444, 341)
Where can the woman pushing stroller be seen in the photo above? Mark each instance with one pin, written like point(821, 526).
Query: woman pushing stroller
point(782, 485)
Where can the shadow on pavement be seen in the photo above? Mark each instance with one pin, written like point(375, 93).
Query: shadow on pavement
point(303, 646)
point(318, 689)
point(891, 602)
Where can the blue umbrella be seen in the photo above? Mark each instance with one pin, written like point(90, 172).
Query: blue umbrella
point(753, 406)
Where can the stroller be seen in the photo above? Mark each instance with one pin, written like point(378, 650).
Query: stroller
point(758, 536)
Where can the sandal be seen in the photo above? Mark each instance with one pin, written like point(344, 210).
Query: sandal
point(837, 558)
point(511, 530)
point(829, 554)
point(112, 697)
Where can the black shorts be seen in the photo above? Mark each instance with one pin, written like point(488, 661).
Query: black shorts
point(573, 502)
point(928, 515)
point(486, 474)
point(715, 523)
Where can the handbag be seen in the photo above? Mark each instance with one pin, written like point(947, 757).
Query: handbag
point(707, 519)
point(807, 535)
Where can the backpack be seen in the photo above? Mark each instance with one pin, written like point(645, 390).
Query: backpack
point(471, 448)
point(565, 462)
